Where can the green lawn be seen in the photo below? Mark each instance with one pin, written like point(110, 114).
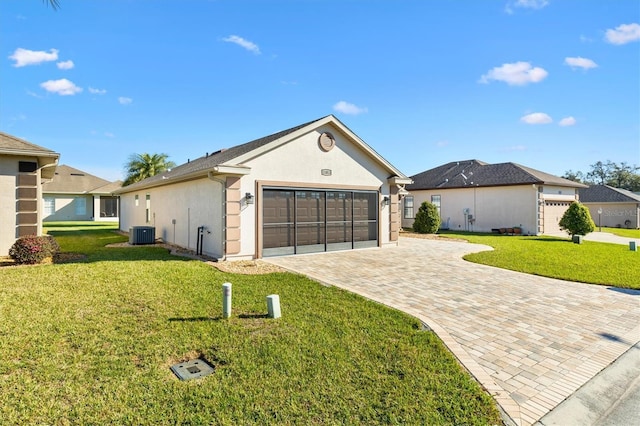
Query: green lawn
point(622, 232)
point(589, 262)
point(92, 343)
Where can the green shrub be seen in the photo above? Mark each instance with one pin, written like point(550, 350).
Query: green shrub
point(427, 219)
point(32, 249)
point(577, 220)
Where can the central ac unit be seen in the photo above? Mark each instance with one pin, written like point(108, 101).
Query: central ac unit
point(142, 235)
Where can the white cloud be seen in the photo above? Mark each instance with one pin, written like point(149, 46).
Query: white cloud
point(516, 148)
point(442, 144)
point(515, 74)
point(62, 87)
point(109, 135)
point(585, 39)
point(579, 62)
point(97, 91)
point(124, 101)
point(65, 65)
point(567, 121)
point(623, 34)
point(24, 57)
point(536, 118)
point(347, 108)
point(525, 4)
point(246, 44)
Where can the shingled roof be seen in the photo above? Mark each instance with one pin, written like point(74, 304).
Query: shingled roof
point(607, 194)
point(68, 180)
point(461, 174)
point(209, 161)
point(11, 145)
point(225, 157)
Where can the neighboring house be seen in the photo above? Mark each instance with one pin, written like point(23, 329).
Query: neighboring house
point(315, 187)
point(23, 168)
point(76, 195)
point(618, 208)
point(475, 196)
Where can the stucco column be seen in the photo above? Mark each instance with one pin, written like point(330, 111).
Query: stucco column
point(232, 210)
point(394, 216)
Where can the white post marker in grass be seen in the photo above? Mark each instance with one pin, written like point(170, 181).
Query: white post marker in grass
point(226, 300)
point(273, 306)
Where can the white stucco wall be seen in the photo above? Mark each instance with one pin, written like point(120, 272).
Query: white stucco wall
point(192, 204)
point(491, 207)
point(65, 207)
point(300, 162)
point(615, 215)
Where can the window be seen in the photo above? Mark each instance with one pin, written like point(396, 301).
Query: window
point(148, 210)
point(408, 207)
point(108, 206)
point(435, 200)
point(81, 206)
point(49, 206)
point(27, 166)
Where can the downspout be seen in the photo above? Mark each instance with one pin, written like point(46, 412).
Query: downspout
point(223, 212)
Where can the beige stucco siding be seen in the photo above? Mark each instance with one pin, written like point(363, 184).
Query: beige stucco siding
point(492, 207)
point(615, 215)
point(191, 204)
point(496, 207)
point(20, 201)
point(300, 163)
point(8, 172)
point(66, 207)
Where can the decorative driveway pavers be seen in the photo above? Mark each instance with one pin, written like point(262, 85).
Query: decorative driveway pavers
point(530, 341)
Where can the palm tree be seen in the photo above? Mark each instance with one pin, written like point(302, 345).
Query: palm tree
point(142, 166)
point(53, 3)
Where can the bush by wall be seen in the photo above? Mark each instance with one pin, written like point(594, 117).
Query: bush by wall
point(32, 249)
point(577, 220)
point(427, 219)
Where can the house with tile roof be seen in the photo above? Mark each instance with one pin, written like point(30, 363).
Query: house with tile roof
point(612, 207)
point(75, 195)
point(23, 168)
point(314, 187)
point(473, 195)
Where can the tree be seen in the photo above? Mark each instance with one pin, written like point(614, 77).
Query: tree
point(142, 166)
point(623, 175)
point(427, 219)
point(600, 172)
point(574, 176)
point(577, 220)
point(55, 4)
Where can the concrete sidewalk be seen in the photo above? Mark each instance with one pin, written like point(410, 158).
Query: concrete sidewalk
point(607, 237)
point(611, 398)
point(531, 341)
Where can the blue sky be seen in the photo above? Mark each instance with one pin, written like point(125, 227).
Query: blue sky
point(550, 84)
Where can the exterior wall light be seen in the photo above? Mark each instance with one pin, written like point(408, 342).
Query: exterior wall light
point(386, 201)
point(248, 198)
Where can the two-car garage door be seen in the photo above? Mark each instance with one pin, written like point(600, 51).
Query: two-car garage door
point(315, 220)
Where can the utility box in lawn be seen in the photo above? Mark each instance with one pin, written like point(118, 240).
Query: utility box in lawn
point(142, 235)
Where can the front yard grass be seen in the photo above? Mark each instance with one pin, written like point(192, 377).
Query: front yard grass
point(622, 232)
point(589, 262)
point(92, 343)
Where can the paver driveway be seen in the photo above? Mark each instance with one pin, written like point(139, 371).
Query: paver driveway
point(530, 341)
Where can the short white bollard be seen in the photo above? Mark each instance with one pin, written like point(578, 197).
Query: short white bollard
point(226, 300)
point(273, 306)
point(633, 246)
